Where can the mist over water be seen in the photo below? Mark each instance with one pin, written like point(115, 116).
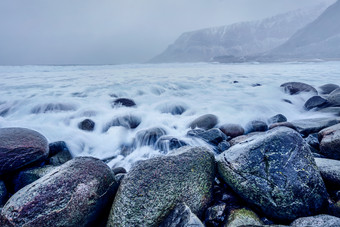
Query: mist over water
point(54, 99)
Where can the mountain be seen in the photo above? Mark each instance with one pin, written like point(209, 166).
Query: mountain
point(318, 40)
point(238, 40)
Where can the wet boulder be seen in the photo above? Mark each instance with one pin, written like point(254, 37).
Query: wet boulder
point(86, 125)
point(59, 153)
point(321, 220)
point(212, 136)
point(256, 126)
point(206, 122)
point(243, 217)
point(168, 143)
point(20, 147)
point(148, 137)
point(334, 97)
point(330, 171)
point(313, 141)
point(283, 124)
point(232, 130)
point(314, 125)
point(294, 88)
point(330, 142)
point(181, 216)
point(74, 194)
point(152, 188)
point(278, 118)
point(276, 173)
point(128, 121)
point(3, 193)
point(123, 102)
point(328, 88)
point(316, 102)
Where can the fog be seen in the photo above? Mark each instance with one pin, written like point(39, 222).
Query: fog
point(114, 31)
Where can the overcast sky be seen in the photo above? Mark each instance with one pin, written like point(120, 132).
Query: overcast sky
point(114, 31)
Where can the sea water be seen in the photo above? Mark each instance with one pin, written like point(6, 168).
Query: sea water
point(54, 99)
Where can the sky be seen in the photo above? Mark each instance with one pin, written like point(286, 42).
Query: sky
point(115, 31)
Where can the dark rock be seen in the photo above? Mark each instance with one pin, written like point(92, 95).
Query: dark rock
point(330, 142)
point(119, 177)
point(328, 88)
point(212, 136)
point(173, 109)
point(168, 143)
point(321, 220)
point(334, 97)
point(59, 153)
point(283, 124)
point(232, 130)
point(275, 172)
point(316, 102)
point(20, 147)
point(243, 138)
point(287, 101)
point(28, 176)
point(148, 137)
point(309, 126)
point(3, 193)
point(128, 121)
point(119, 170)
point(278, 118)
point(123, 102)
point(87, 125)
point(53, 107)
point(330, 171)
point(243, 217)
point(181, 216)
point(294, 88)
point(153, 187)
point(223, 146)
point(313, 141)
point(207, 121)
point(57, 147)
point(74, 194)
point(215, 214)
point(256, 126)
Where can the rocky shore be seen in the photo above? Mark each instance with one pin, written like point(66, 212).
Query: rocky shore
point(269, 173)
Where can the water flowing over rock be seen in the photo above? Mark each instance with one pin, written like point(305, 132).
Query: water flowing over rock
point(315, 102)
point(128, 121)
point(294, 88)
point(275, 172)
point(123, 102)
point(328, 88)
point(86, 125)
point(53, 107)
point(152, 188)
point(148, 137)
point(20, 147)
point(74, 194)
point(168, 143)
point(206, 122)
point(330, 142)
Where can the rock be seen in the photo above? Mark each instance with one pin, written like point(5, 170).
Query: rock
point(330, 110)
point(53, 107)
point(28, 176)
point(243, 217)
point(206, 122)
point(232, 130)
point(128, 121)
point(243, 138)
point(123, 102)
point(275, 172)
point(330, 142)
point(215, 214)
point(168, 143)
point(120, 177)
point(316, 102)
point(153, 187)
point(334, 97)
point(118, 170)
point(328, 88)
point(181, 216)
point(174, 109)
point(278, 118)
point(20, 147)
point(212, 136)
point(283, 124)
point(3, 193)
point(59, 153)
point(148, 137)
point(330, 171)
point(294, 88)
point(321, 220)
point(223, 146)
point(256, 126)
point(309, 126)
point(87, 125)
point(313, 141)
point(74, 194)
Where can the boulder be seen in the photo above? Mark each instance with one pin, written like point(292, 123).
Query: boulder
point(316, 102)
point(123, 102)
point(294, 88)
point(232, 130)
point(148, 137)
point(243, 217)
point(313, 141)
point(20, 147)
point(330, 142)
point(3, 193)
point(278, 118)
point(207, 121)
point(168, 143)
point(128, 121)
point(321, 220)
point(328, 88)
point(330, 171)
point(309, 126)
point(256, 126)
point(152, 188)
point(86, 125)
point(59, 153)
point(334, 97)
point(212, 136)
point(181, 216)
point(76, 193)
point(276, 173)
